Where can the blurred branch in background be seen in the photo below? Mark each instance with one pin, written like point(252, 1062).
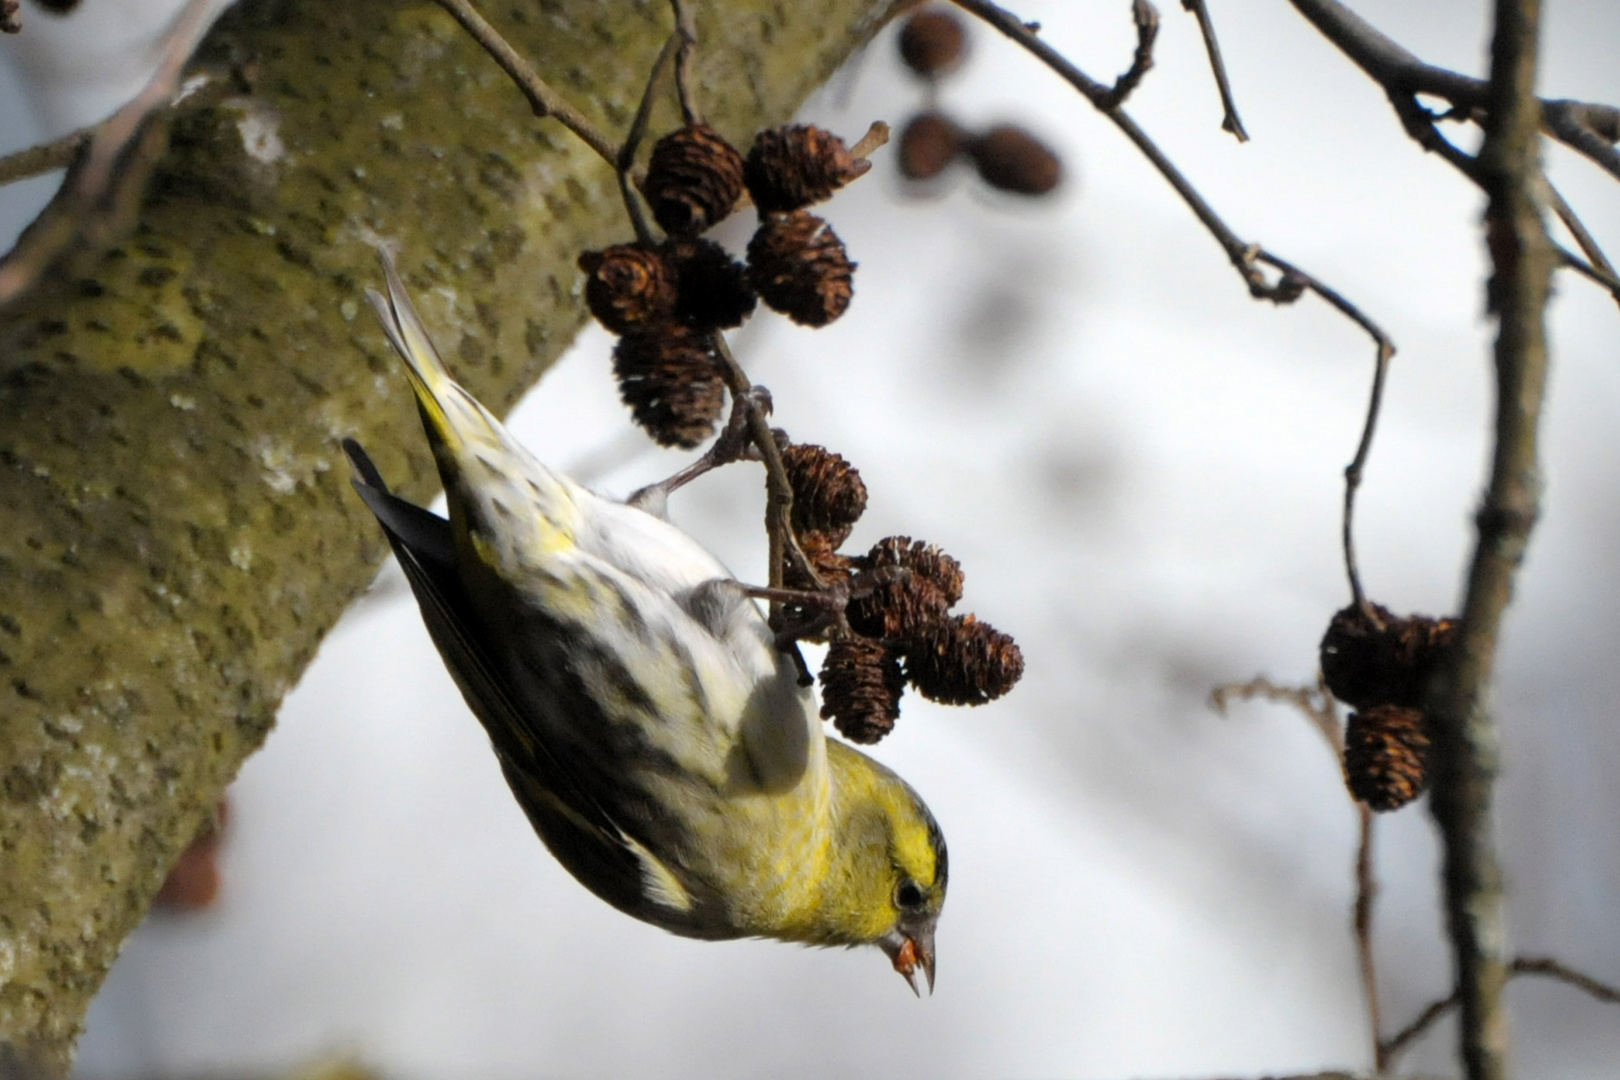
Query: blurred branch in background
point(108, 168)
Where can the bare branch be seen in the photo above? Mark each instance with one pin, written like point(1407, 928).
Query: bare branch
point(1385, 351)
point(1545, 966)
point(1598, 269)
point(1589, 129)
point(56, 154)
point(625, 162)
point(1314, 703)
point(1206, 26)
point(1146, 18)
point(1463, 724)
point(542, 98)
point(686, 30)
point(100, 196)
point(1362, 922)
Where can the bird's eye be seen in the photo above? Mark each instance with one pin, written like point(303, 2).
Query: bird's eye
point(908, 895)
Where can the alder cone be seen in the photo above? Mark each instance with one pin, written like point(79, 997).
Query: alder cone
point(1381, 658)
point(963, 661)
point(828, 493)
point(711, 288)
point(799, 267)
point(791, 167)
point(694, 178)
point(928, 145)
point(932, 43)
point(903, 609)
point(668, 378)
point(861, 686)
point(1386, 756)
point(1011, 159)
point(628, 287)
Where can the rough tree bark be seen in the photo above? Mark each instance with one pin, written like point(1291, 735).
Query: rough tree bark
point(179, 529)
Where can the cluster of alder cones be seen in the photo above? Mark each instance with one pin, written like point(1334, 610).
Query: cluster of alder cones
point(666, 300)
point(933, 44)
point(897, 626)
point(1380, 665)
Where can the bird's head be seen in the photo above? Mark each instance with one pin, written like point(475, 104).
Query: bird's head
point(895, 867)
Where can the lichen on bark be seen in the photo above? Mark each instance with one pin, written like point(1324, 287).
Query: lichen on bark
point(180, 531)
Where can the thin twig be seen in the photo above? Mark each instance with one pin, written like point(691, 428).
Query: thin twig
point(542, 98)
point(101, 194)
point(1146, 18)
point(1361, 921)
point(1385, 351)
point(1319, 707)
point(56, 154)
point(1598, 269)
point(1314, 703)
point(624, 164)
point(1206, 26)
point(686, 28)
point(778, 491)
point(1525, 965)
point(1589, 129)
point(1244, 256)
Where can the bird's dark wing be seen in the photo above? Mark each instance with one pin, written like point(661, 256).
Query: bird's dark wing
point(572, 824)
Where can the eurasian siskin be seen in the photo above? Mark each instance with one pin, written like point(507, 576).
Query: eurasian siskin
point(659, 742)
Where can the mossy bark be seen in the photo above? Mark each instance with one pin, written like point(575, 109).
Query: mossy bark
point(179, 530)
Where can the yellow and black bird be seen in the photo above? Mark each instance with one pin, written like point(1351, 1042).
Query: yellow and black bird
point(659, 742)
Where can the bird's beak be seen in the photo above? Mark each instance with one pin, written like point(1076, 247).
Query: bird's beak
point(909, 951)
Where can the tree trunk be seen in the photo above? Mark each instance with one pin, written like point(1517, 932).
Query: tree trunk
point(179, 528)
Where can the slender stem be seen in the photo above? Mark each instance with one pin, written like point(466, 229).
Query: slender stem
point(778, 491)
point(1146, 18)
point(1206, 26)
point(542, 98)
point(1544, 966)
point(686, 28)
point(1385, 351)
point(1589, 129)
point(626, 160)
point(56, 154)
point(1362, 920)
point(1599, 269)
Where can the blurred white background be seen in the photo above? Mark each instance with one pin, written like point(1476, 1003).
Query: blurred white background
point(1139, 468)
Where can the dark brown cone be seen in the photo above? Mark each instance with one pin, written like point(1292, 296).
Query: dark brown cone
point(792, 166)
point(694, 178)
point(1386, 756)
point(932, 43)
point(628, 287)
point(861, 686)
point(1367, 664)
point(927, 146)
point(799, 267)
point(1012, 159)
point(963, 661)
point(828, 495)
point(711, 288)
point(903, 609)
point(668, 378)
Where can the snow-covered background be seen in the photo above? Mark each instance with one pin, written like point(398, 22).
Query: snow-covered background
point(1139, 469)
